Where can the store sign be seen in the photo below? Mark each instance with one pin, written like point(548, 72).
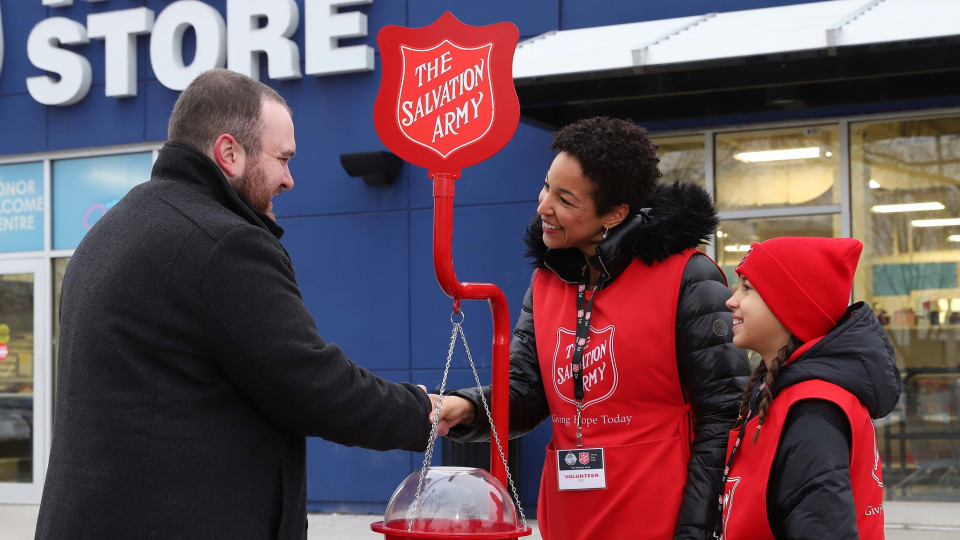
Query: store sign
point(22, 204)
point(252, 28)
point(4, 352)
point(84, 190)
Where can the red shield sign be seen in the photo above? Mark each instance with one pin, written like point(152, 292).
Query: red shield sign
point(446, 98)
point(584, 458)
point(446, 102)
point(599, 366)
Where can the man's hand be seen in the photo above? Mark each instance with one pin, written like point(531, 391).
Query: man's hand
point(443, 427)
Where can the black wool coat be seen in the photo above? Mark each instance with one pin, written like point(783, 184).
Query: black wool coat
point(190, 373)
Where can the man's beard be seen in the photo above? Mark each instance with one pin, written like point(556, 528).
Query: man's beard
point(252, 185)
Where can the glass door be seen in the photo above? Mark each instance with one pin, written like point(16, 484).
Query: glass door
point(24, 380)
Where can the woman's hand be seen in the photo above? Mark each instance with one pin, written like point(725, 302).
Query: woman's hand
point(453, 411)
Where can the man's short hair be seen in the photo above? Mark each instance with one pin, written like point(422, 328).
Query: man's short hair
point(221, 101)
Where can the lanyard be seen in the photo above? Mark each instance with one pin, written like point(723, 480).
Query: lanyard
point(718, 529)
point(584, 308)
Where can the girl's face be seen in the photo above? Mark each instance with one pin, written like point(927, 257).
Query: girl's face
point(567, 209)
point(755, 327)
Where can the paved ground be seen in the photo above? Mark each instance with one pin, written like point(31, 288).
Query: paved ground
point(905, 521)
point(18, 522)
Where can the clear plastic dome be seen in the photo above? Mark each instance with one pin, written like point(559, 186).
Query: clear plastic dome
point(452, 500)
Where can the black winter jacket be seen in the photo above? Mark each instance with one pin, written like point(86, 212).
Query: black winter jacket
point(712, 370)
point(809, 495)
point(191, 372)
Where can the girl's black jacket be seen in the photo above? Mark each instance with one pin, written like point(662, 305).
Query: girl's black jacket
point(809, 495)
point(712, 370)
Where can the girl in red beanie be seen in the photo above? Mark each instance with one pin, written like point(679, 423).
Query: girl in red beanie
point(802, 461)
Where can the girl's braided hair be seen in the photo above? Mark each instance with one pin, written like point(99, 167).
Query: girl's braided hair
point(767, 376)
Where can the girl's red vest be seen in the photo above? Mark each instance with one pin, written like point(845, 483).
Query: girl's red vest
point(745, 495)
point(634, 406)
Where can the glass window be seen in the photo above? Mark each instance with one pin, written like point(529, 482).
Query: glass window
point(778, 167)
point(734, 236)
point(16, 377)
point(682, 159)
point(59, 269)
point(85, 188)
point(21, 207)
point(905, 196)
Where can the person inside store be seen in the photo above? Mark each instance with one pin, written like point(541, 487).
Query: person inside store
point(190, 370)
point(623, 343)
point(803, 460)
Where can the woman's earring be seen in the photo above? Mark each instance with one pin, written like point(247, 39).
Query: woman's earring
point(606, 230)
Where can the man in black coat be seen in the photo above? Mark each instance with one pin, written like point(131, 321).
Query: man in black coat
point(190, 371)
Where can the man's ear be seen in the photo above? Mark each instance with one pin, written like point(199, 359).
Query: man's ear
point(229, 155)
point(616, 216)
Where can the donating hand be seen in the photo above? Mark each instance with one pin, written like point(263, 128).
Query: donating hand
point(443, 427)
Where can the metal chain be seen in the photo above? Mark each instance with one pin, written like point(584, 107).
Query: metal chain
point(428, 456)
point(493, 432)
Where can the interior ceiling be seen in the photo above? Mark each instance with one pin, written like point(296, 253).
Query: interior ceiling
point(702, 93)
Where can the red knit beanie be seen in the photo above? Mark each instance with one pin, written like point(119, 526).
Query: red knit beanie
point(806, 282)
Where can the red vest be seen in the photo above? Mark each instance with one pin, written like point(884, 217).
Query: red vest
point(634, 405)
point(745, 495)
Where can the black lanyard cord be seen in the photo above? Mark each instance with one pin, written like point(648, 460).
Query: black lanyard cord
point(718, 527)
point(583, 329)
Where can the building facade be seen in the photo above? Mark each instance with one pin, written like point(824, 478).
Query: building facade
point(833, 118)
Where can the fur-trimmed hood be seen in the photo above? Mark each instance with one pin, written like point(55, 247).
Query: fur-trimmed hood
point(679, 216)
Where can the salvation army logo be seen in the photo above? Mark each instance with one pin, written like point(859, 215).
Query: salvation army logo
point(731, 490)
point(744, 259)
point(584, 458)
point(570, 459)
point(876, 462)
point(599, 366)
point(446, 101)
point(446, 98)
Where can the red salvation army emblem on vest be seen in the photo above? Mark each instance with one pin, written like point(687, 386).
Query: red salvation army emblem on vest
point(446, 98)
point(598, 364)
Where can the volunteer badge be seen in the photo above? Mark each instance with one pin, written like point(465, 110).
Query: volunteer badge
point(582, 468)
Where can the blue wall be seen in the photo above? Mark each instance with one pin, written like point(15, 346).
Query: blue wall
point(363, 255)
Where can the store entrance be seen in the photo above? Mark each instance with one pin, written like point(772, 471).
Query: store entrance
point(23, 411)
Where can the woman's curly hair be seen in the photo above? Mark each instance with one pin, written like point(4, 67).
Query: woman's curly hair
point(617, 155)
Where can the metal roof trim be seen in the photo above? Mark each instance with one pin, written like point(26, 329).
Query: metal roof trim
point(816, 26)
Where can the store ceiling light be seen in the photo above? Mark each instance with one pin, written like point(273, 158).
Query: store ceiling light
point(935, 222)
point(778, 155)
point(873, 184)
point(737, 247)
point(907, 207)
point(954, 238)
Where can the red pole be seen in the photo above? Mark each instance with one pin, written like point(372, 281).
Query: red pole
point(443, 189)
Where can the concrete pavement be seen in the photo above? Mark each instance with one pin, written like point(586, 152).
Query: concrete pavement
point(905, 521)
point(18, 522)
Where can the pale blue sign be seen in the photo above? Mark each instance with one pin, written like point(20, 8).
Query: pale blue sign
point(21, 207)
point(84, 189)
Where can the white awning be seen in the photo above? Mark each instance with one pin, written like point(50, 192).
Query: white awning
point(715, 36)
